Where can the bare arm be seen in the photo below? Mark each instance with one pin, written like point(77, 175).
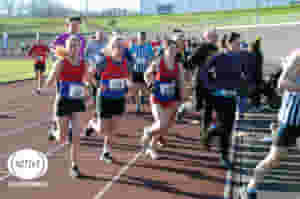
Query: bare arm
point(148, 75)
point(54, 74)
point(288, 76)
point(181, 81)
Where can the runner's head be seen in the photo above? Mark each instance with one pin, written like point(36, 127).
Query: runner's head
point(73, 45)
point(170, 48)
point(73, 24)
point(179, 41)
point(114, 47)
point(211, 36)
point(244, 46)
point(234, 42)
point(141, 36)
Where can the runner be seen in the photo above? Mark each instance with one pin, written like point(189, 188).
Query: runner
point(224, 84)
point(39, 52)
point(112, 68)
point(69, 71)
point(143, 54)
point(200, 95)
point(93, 51)
point(166, 78)
point(73, 27)
point(289, 127)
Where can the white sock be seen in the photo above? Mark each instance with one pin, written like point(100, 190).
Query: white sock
point(105, 145)
point(70, 124)
point(147, 131)
point(73, 164)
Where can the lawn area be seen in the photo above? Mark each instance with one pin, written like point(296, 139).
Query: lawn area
point(157, 22)
point(17, 69)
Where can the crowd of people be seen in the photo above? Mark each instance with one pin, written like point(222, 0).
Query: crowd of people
point(107, 72)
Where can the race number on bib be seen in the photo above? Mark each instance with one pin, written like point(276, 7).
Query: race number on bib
point(229, 93)
point(117, 84)
point(39, 58)
point(76, 91)
point(167, 90)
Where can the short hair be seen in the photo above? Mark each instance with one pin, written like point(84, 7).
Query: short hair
point(73, 18)
point(233, 36)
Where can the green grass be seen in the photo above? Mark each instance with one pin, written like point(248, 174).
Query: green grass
point(12, 70)
point(156, 23)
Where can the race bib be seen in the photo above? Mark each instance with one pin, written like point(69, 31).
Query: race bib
point(76, 91)
point(117, 84)
point(167, 90)
point(229, 93)
point(141, 60)
point(39, 58)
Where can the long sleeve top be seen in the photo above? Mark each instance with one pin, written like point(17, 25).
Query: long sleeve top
point(229, 71)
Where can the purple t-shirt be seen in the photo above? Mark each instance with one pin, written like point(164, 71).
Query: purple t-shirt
point(60, 40)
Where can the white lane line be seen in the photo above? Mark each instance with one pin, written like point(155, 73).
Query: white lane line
point(122, 171)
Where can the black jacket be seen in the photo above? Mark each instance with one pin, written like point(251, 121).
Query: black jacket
point(197, 61)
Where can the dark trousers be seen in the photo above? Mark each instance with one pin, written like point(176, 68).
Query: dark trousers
point(208, 109)
point(225, 109)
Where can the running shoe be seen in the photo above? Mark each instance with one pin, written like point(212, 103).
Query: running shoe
point(205, 140)
point(51, 136)
point(152, 153)
point(74, 172)
point(89, 132)
point(138, 108)
point(224, 162)
point(70, 136)
point(145, 140)
point(245, 194)
point(106, 157)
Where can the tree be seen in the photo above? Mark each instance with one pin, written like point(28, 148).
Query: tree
point(112, 23)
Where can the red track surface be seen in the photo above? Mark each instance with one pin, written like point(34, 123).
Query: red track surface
point(183, 172)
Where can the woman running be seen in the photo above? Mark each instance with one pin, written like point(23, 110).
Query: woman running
point(69, 71)
point(166, 78)
point(113, 71)
point(289, 125)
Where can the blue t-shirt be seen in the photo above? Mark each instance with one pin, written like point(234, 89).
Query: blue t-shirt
point(143, 54)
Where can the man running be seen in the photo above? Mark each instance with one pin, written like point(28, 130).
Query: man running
point(39, 52)
point(289, 127)
point(200, 95)
point(94, 50)
point(224, 85)
point(143, 54)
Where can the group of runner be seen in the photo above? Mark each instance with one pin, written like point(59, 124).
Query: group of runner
point(222, 76)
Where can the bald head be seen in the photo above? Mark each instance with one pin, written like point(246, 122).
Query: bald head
point(211, 36)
